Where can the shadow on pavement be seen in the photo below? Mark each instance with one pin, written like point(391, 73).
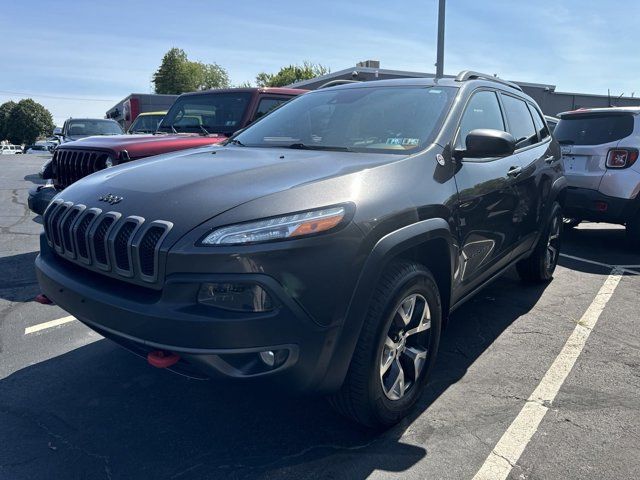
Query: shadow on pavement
point(100, 412)
point(18, 281)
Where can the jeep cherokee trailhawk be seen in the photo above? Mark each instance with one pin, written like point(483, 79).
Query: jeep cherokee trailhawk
point(323, 247)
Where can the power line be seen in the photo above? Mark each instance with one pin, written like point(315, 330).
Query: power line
point(6, 92)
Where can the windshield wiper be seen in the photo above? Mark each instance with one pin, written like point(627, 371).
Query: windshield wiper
point(235, 141)
point(304, 146)
point(204, 130)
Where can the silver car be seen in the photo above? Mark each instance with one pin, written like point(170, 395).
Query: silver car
point(600, 152)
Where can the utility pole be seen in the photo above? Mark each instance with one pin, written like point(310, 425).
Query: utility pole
point(440, 54)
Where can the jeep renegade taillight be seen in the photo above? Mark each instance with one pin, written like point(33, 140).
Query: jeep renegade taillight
point(621, 157)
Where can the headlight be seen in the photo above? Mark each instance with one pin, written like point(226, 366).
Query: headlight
point(279, 228)
point(108, 163)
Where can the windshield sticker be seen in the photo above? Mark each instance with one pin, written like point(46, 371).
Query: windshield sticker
point(406, 142)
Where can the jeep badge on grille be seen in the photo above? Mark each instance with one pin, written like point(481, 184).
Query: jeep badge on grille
point(110, 199)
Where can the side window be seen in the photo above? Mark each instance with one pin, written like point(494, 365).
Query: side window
point(520, 122)
point(266, 105)
point(483, 111)
point(541, 128)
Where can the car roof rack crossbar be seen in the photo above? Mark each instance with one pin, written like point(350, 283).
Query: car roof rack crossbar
point(339, 81)
point(465, 75)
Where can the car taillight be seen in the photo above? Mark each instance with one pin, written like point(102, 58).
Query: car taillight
point(621, 157)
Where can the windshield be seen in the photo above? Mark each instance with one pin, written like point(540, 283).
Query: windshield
point(365, 119)
point(146, 124)
point(593, 129)
point(87, 128)
point(207, 113)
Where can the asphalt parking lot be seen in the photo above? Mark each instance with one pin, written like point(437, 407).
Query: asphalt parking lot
point(73, 405)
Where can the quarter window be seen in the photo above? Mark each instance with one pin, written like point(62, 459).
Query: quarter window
point(483, 111)
point(543, 131)
point(520, 122)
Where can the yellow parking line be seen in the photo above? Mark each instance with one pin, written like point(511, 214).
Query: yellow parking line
point(51, 324)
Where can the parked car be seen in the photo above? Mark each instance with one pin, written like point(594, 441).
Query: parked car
point(551, 122)
point(41, 148)
point(77, 128)
point(194, 120)
point(10, 149)
point(600, 152)
point(146, 122)
point(323, 248)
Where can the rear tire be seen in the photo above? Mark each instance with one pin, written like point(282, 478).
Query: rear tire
point(539, 267)
point(390, 365)
point(633, 232)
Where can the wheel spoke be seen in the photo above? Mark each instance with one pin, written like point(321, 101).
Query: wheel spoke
point(397, 388)
point(425, 321)
point(416, 360)
point(388, 356)
point(405, 311)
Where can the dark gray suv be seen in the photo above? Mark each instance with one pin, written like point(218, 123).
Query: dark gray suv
point(323, 248)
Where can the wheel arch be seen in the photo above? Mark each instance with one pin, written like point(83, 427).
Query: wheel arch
point(428, 242)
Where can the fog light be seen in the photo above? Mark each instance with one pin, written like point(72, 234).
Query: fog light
point(239, 297)
point(273, 359)
point(268, 357)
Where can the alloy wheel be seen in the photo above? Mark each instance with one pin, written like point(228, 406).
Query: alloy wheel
point(405, 350)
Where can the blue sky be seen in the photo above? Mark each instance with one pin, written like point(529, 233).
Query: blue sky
point(95, 53)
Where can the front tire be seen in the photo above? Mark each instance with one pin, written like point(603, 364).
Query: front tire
point(396, 349)
point(539, 267)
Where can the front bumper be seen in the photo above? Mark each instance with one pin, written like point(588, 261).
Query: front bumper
point(209, 341)
point(40, 197)
point(587, 204)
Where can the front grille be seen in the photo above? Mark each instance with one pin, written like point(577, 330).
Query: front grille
point(70, 165)
point(122, 247)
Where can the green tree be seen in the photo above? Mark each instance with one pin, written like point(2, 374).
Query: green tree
point(5, 111)
point(291, 74)
point(177, 74)
point(28, 121)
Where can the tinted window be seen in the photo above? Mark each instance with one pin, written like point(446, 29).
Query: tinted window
point(146, 124)
point(216, 113)
point(93, 127)
point(541, 128)
point(593, 129)
point(483, 111)
point(266, 105)
point(520, 121)
point(371, 119)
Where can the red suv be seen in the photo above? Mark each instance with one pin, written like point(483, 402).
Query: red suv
point(194, 120)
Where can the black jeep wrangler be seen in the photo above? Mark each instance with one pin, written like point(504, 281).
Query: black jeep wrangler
point(322, 248)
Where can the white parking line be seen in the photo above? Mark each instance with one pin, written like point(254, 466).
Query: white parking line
point(51, 324)
point(507, 452)
point(621, 268)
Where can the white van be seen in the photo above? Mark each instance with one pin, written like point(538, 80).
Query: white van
point(10, 150)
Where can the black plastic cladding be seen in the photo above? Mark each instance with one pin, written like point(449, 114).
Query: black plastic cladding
point(104, 241)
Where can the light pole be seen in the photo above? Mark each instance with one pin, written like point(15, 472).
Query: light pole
point(440, 51)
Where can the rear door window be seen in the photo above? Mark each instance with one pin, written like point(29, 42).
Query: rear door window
point(594, 129)
point(520, 122)
point(483, 111)
point(266, 105)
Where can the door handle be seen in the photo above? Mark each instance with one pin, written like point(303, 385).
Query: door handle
point(549, 159)
point(514, 171)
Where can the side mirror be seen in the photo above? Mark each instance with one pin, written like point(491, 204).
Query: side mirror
point(57, 132)
point(485, 142)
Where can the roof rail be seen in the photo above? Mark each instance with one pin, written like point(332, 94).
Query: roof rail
point(339, 81)
point(465, 75)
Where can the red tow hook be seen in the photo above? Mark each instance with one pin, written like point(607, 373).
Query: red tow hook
point(43, 299)
point(162, 358)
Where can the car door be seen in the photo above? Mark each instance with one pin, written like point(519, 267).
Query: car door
point(531, 180)
point(486, 199)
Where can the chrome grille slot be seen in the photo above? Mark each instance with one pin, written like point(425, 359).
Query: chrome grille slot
point(67, 224)
point(54, 226)
point(99, 240)
point(147, 250)
point(81, 234)
point(122, 243)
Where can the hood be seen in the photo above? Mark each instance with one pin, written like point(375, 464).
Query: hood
point(191, 187)
point(138, 146)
